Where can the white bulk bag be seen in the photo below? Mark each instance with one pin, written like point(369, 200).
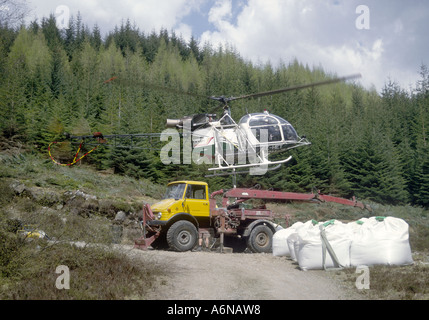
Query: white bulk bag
point(381, 241)
point(355, 226)
point(280, 246)
point(292, 240)
point(333, 251)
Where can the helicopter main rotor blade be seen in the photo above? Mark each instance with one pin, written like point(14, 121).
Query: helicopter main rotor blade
point(224, 100)
point(148, 85)
point(297, 87)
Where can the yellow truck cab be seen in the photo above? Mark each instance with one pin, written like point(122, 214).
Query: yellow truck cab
point(189, 197)
point(184, 209)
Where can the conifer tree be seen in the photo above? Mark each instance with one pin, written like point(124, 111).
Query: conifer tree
point(366, 144)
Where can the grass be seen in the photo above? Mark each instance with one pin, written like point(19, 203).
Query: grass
point(95, 274)
point(31, 170)
point(27, 266)
point(390, 282)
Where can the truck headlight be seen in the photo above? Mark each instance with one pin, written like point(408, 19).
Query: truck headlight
point(159, 215)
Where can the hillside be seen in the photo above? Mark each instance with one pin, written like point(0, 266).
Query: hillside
point(81, 204)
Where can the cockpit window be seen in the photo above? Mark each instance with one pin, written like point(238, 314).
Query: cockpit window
point(262, 120)
point(289, 133)
point(269, 127)
point(267, 133)
point(245, 118)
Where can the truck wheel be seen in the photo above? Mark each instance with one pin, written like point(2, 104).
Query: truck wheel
point(182, 236)
point(260, 239)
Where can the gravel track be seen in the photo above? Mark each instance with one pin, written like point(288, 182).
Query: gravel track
point(237, 276)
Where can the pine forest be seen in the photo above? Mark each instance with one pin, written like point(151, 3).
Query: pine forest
point(368, 144)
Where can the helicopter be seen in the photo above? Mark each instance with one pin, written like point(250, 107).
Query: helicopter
point(226, 145)
point(248, 143)
point(231, 145)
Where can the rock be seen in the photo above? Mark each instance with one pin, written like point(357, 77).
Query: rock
point(50, 198)
point(17, 187)
point(120, 216)
point(85, 195)
point(78, 194)
point(35, 193)
point(42, 197)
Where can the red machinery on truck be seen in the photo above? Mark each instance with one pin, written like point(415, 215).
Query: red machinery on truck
point(188, 213)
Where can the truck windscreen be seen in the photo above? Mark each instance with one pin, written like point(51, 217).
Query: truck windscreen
point(175, 191)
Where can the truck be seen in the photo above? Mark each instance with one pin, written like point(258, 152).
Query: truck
point(188, 216)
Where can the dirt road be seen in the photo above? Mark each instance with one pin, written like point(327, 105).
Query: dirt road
point(237, 276)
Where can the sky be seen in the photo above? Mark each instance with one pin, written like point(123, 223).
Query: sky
point(383, 40)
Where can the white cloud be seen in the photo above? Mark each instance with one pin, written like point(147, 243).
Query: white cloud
point(155, 14)
point(316, 33)
point(184, 30)
point(347, 59)
point(221, 10)
point(148, 15)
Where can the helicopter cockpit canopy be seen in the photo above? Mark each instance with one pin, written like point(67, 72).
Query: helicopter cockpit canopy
point(278, 129)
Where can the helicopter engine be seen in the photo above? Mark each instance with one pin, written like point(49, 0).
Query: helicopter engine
point(197, 121)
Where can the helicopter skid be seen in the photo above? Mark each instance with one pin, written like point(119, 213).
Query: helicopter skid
point(262, 165)
point(238, 172)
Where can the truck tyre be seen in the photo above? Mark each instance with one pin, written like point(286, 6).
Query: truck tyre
point(182, 236)
point(260, 239)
